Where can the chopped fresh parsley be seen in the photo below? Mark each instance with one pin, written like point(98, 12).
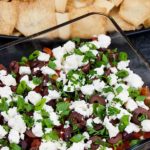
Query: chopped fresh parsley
point(52, 65)
point(3, 105)
point(122, 73)
point(37, 80)
point(40, 104)
point(124, 122)
point(77, 138)
point(140, 98)
point(34, 55)
point(14, 146)
point(53, 135)
point(123, 56)
point(119, 89)
point(113, 111)
point(142, 117)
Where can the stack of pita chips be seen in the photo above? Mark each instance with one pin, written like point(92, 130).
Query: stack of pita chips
point(26, 17)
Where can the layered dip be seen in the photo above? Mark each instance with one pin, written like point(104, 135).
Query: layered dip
point(78, 96)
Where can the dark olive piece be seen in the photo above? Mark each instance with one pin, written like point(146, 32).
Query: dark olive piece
point(86, 68)
point(137, 113)
point(95, 142)
point(14, 66)
point(30, 134)
point(97, 99)
point(77, 119)
point(116, 139)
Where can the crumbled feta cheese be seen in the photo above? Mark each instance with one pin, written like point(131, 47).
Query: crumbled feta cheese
point(84, 48)
point(110, 96)
point(33, 97)
point(95, 52)
point(53, 116)
point(89, 122)
point(69, 46)
point(37, 116)
point(142, 104)
point(58, 64)
point(113, 70)
point(100, 70)
point(112, 130)
point(55, 145)
point(5, 91)
point(17, 123)
point(53, 94)
point(86, 135)
point(8, 80)
point(62, 77)
point(43, 57)
point(13, 136)
point(82, 107)
point(58, 53)
point(2, 132)
point(77, 146)
point(104, 40)
point(98, 85)
point(96, 43)
point(28, 82)
point(66, 124)
point(88, 144)
point(24, 70)
point(68, 88)
point(132, 128)
point(123, 64)
point(5, 148)
point(87, 89)
point(46, 70)
point(97, 120)
point(37, 129)
point(134, 80)
point(131, 104)
point(145, 125)
point(123, 96)
point(3, 73)
point(113, 79)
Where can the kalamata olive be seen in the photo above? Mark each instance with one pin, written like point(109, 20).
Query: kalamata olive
point(98, 126)
point(114, 122)
point(35, 144)
point(14, 66)
point(114, 140)
point(146, 92)
point(30, 134)
point(77, 119)
point(127, 136)
point(1, 119)
point(95, 142)
point(52, 103)
point(107, 72)
point(86, 68)
point(24, 145)
point(14, 88)
point(98, 58)
point(113, 56)
point(1, 84)
point(64, 133)
point(45, 91)
point(37, 73)
point(137, 113)
point(36, 63)
point(46, 79)
point(97, 99)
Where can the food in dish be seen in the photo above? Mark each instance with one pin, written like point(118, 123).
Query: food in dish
point(82, 95)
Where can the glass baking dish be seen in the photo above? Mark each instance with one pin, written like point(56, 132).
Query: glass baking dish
point(25, 46)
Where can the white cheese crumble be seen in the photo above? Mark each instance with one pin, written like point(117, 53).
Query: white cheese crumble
point(145, 125)
point(100, 70)
point(112, 130)
point(5, 91)
point(46, 70)
point(77, 146)
point(131, 104)
point(13, 136)
point(24, 70)
point(8, 80)
point(82, 107)
point(37, 129)
point(104, 40)
point(132, 128)
point(5, 148)
point(43, 57)
point(3, 73)
point(58, 64)
point(58, 53)
point(69, 46)
point(89, 122)
point(2, 132)
point(33, 97)
point(37, 116)
point(87, 89)
point(113, 79)
point(84, 48)
point(98, 85)
point(142, 104)
point(123, 64)
point(134, 80)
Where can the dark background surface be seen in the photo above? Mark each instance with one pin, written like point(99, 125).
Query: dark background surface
point(141, 41)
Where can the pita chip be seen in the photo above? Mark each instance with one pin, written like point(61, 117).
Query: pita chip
point(60, 5)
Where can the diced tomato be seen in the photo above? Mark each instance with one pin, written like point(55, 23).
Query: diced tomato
point(146, 135)
point(137, 135)
point(48, 51)
point(58, 72)
point(37, 89)
point(145, 91)
point(94, 38)
point(35, 143)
